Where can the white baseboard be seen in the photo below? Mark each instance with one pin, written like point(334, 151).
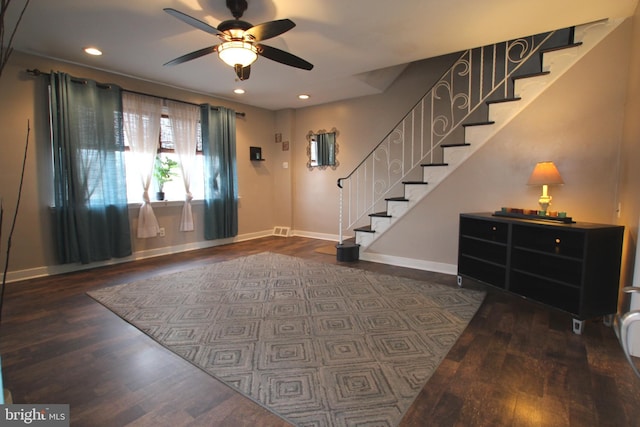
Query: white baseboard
point(50, 270)
point(32, 273)
point(418, 264)
point(314, 235)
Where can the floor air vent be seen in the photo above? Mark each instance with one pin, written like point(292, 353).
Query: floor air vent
point(281, 231)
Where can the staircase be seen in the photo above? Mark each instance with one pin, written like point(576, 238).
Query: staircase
point(482, 92)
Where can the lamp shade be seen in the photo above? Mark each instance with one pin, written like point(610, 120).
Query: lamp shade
point(238, 52)
point(545, 173)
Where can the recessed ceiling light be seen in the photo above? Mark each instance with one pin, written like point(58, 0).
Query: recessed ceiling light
point(238, 91)
point(93, 51)
point(304, 96)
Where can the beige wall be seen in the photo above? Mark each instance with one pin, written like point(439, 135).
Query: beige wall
point(282, 168)
point(579, 123)
point(630, 154)
point(24, 98)
point(361, 124)
point(576, 123)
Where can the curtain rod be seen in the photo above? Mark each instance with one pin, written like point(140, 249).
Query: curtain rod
point(35, 72)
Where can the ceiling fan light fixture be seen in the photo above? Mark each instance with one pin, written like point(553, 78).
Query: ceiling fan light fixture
point(238, 52)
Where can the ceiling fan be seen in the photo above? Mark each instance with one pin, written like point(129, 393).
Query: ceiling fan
point(240, 45)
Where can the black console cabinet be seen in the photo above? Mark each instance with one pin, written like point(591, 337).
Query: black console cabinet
point(573, 267)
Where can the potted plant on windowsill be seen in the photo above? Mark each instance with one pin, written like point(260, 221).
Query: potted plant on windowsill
point(163, 173)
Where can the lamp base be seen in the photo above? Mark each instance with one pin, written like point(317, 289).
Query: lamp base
point(544, 202)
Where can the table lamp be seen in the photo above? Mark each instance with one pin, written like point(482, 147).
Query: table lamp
point(545, 174)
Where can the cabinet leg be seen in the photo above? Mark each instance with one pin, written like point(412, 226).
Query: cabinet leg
point(459, 281)
point(608, 320)
point(578, 326)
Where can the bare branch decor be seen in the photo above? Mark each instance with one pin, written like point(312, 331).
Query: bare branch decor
point(5, 53)
point(13, 222)
point(6, 49)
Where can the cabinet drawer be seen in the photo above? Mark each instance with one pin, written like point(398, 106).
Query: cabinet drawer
point(549, 240)
point(488, 230)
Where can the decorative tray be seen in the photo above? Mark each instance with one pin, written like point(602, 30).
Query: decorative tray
point(536, 216)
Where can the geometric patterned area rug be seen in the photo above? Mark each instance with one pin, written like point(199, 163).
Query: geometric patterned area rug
point(318, 344)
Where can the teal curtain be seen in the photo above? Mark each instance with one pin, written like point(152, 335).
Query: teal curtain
point(91, 214)
point(220, 176)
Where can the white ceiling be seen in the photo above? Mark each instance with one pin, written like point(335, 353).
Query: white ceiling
point(357, 46)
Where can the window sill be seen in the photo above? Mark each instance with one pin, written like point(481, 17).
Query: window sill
point(165, 203)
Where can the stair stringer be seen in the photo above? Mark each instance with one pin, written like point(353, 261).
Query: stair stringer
point(555, 64)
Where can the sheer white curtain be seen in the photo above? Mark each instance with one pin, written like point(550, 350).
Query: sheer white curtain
point(142, 116)
point(184, 122)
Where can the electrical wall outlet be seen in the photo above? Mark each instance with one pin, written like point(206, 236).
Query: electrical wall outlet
point(161, 233)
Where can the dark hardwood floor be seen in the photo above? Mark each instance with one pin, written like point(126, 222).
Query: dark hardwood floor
point(516, 364)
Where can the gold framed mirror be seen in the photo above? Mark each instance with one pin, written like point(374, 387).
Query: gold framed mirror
point(322, 149)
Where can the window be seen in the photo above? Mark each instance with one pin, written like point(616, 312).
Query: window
point(166, 136)
point(174, 190)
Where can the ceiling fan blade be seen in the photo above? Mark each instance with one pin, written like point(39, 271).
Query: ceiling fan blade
point(243, 72)
point(193, 21)
point(270, 29)
point(283, 57)
point(193, 55)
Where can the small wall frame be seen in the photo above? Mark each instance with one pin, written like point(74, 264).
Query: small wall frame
point(255, 154)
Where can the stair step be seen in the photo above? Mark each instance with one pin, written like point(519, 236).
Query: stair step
point(526, 76)
point(396, 199)
point(380, 215)
point(478, 124)
point(415, 182)
point(429, 165)
point(462, 144)
point(567, 46)
point(498, 101)
point(365, 229)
